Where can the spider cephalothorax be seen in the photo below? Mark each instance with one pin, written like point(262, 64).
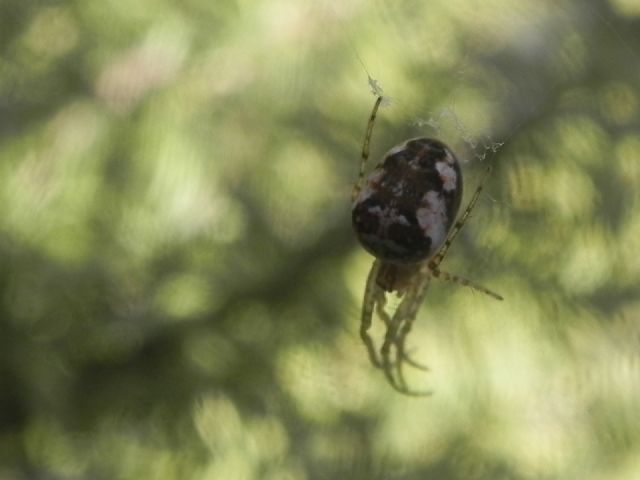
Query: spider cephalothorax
point(404, 214)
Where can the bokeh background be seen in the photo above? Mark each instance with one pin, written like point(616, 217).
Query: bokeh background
point(180, 288)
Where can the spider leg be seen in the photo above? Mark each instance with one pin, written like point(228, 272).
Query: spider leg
point(450, 277)
point(381, 302)
point(389, 338)
point(368, 307)
point(397, 330)
point(365, 149)
point(409, 313)
point(397, 380)
point(437, 259)
point(405, 356)
point(385, 352)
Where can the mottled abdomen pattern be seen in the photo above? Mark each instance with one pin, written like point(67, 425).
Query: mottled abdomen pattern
point(409, 202)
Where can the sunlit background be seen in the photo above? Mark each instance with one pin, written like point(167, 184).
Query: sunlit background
point(180, 286)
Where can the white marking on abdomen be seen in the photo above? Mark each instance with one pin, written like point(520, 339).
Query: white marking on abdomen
point(432, 218)
point(448, 176)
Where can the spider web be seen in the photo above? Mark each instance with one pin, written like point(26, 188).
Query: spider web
point(443, 120)
point(481, 146)
point(449, 122)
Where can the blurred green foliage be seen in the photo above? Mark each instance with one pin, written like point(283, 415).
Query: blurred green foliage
point(180, 284)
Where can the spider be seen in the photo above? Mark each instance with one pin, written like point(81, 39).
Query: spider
point(403, 213)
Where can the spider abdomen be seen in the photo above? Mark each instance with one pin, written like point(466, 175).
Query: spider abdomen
point(409, 202)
